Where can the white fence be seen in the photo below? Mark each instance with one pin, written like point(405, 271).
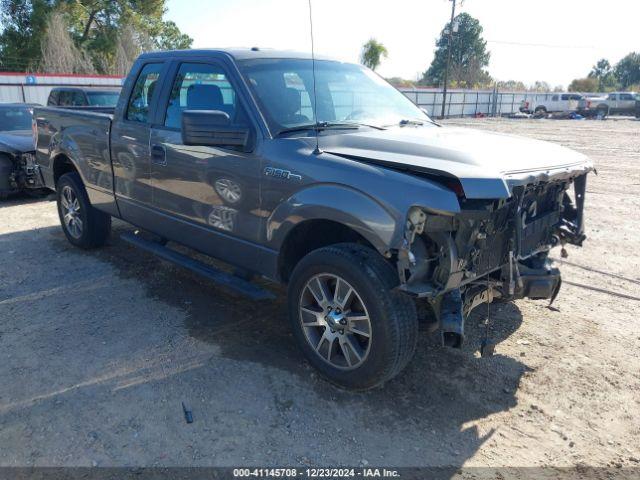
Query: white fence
point(462, 103)
point(35, 88)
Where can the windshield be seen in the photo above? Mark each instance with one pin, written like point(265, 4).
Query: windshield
point(12, 119)
point(103, 99)
point(346, 93)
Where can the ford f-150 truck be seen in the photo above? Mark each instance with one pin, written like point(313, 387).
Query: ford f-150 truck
point(319, 175)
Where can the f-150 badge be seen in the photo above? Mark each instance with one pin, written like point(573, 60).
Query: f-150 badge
point(280, 173)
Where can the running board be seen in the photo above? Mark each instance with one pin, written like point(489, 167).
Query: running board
point(227, 280)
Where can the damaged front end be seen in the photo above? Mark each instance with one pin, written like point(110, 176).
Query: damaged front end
point(491, 249)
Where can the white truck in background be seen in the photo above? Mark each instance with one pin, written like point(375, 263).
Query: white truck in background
point(557, 102)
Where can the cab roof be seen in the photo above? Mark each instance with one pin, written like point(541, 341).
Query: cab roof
point(236, 53)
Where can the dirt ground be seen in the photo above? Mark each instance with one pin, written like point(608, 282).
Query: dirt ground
point(99, 349)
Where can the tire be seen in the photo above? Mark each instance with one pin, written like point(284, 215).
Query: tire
point(540, 110)
point(603, 110)
point(85, 227)
point(392, 322)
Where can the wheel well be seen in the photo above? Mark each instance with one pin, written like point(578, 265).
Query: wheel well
point(311, 235)
point(62, 165)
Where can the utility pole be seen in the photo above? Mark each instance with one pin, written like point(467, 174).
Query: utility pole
point(446, 70)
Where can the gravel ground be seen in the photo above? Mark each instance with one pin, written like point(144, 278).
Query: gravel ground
point(99, 349)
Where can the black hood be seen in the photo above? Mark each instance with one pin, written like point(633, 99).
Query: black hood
point(19, 141)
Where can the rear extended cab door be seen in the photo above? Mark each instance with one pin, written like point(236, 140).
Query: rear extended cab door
point(130, 137)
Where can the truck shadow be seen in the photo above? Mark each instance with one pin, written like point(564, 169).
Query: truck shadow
point(23, 198)
point(440, 392)
point(421, 418)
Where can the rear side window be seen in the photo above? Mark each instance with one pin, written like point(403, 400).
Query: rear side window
point(142, 93)
point(565, 97)
point(53, 98)
point(64, 98)
point(554, 98)
point(199, 86)
point(77, 99)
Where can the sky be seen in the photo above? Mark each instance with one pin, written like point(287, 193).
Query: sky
point(551, 40)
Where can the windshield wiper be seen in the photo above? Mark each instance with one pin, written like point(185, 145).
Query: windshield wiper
point(327, 126)
point(419, 123)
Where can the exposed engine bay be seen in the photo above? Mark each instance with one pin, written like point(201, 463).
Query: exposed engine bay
point(19, 172)
point(492, 249)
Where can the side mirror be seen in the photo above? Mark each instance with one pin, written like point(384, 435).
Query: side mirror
point(212, 128)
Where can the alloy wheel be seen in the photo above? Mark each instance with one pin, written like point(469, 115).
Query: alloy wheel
point(71, 212)
point(335, 321)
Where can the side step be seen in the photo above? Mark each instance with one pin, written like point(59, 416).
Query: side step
point(231, 282)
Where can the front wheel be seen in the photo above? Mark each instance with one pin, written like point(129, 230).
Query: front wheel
point(350, 323)
point(83, 225)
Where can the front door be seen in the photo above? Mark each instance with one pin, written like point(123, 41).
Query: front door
point(205, 188)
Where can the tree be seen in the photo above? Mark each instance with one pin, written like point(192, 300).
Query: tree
point(400, 82)
point(372, 53)
point(23, 25)
point(59, 53)
point(627, 70)
point(469, 55)
point(540, 86)
point(97, 27)
point(588, 84)
point(512, 85)
point(603, 72)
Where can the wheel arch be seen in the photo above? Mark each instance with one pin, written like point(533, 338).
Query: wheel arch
point(310, 235)
point(62, 164)
point(351, 213)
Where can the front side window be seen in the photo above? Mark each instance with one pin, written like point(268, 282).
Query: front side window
point(200, 86)
point(142, 93)
point(349, 93)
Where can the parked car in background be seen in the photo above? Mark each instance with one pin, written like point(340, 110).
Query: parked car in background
point(18, 170)
point(360, 207)
point(615, 103)
point(87, 98)
point(558, 102)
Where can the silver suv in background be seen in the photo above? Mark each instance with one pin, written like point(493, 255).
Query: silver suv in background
point(615, 103)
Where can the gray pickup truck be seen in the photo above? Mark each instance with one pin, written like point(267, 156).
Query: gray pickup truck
point(321, 176)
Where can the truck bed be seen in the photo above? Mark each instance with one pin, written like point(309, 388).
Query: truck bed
point(84, 137)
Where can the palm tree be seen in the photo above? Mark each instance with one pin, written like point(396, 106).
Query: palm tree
point(372, 53)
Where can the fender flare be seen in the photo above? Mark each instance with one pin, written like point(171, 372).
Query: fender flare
point(341, 204)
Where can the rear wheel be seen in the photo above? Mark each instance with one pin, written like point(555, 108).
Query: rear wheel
point(349, 322)
point(603, 111)
point(82, 224)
